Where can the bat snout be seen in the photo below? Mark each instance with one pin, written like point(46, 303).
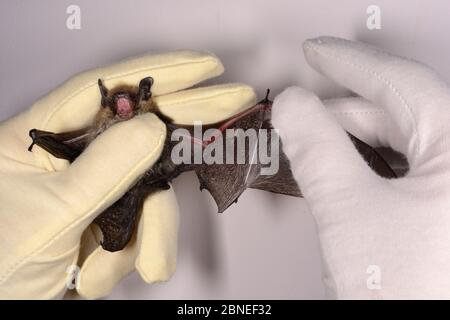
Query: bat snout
point(124, 106)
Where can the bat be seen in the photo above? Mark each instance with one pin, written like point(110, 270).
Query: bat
point(224, 181)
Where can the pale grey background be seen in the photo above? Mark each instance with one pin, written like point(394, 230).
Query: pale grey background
point(266, 246)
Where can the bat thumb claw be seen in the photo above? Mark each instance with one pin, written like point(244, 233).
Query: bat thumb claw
point(32, 135)
point(266, 99)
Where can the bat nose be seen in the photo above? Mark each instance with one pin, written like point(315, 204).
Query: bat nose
point(124, 107)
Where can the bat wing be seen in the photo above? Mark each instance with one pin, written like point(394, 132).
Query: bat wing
point(373, 158)
point(66, 145)
point(282, 182)
point(226, 182)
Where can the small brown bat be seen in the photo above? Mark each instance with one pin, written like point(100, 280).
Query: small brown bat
point(225, 182)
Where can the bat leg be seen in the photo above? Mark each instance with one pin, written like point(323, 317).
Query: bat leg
point(117, 223)
point(66, 145)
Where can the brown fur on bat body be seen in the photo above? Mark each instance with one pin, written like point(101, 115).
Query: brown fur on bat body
point(225, 182)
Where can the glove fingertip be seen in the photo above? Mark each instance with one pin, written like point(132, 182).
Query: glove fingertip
point(156, 271)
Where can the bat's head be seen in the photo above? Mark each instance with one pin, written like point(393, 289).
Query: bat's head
point(126, 101)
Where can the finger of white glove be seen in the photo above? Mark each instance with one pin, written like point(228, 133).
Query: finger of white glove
point(369, 123)
point(361, 118)
point(323, 159)
point(108, 167)
point(410, 92)
point(152, 252)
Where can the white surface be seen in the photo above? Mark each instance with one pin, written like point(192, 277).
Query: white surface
point(262, 247)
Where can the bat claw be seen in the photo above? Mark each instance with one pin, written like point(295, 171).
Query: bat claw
point(266, 99)
point(32, 135)
point(164, 185)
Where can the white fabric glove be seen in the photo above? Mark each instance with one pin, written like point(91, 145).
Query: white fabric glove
point(380, 238)
point(46, 205)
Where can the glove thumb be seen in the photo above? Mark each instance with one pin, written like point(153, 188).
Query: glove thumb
point(324, 161)
point(110, 165)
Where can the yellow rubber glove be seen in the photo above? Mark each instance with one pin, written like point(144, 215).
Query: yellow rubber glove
point(46, 205)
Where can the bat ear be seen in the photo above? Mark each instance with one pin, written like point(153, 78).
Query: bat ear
point(145, 88)
point(104, 93)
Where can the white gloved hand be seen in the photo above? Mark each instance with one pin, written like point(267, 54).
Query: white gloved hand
point(46, 205)
point(380, 238)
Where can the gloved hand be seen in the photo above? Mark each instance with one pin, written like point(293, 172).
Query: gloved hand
point(46, 205)
point(380, 238)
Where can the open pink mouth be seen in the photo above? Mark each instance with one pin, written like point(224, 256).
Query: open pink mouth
point(124, 108)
